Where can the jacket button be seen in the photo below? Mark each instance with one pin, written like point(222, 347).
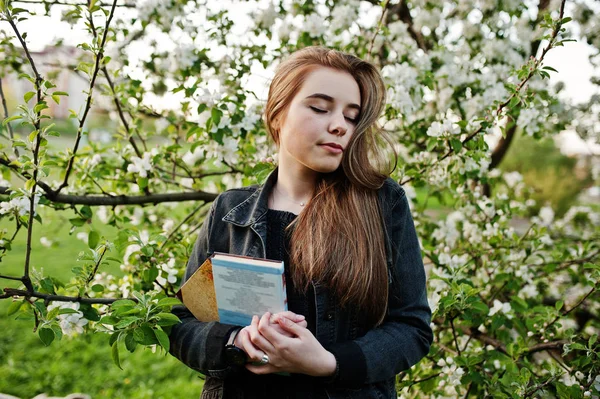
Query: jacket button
point(329, 315)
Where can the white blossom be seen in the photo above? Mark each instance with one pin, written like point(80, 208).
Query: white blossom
point(503, 307)
point(141, 165)
point(314, 24)
point(343, 16)
point(21, 205)
point(546, 216)
point(191, 158)
point(46, 242)
point(513, 178)
point(70, 323)
point(267, 16)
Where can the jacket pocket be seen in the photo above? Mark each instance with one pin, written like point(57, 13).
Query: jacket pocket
point(213, 388)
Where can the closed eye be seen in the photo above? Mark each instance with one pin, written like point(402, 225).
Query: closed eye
point(321, 111)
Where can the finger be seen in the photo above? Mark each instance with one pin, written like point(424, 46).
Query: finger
point(263, 369)
point(281, 330)
point(276, 339)
point(257, 339)
point(303, 324)
point(254, 353)
point(289, 315)
point(291, 327)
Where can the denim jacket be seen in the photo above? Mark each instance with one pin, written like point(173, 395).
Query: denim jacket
point(369, 359)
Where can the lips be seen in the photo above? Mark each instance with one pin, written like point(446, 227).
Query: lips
point(334, 145)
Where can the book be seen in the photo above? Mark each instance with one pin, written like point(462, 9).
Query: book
point(232, 288)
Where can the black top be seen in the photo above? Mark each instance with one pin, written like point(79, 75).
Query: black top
point(273, 385)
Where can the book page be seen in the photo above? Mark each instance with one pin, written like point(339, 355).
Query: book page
point(242, 293)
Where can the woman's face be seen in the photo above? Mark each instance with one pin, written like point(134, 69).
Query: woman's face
point(324, 111)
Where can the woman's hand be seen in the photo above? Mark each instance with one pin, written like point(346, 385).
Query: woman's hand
point(243, 340)
point(295, 351)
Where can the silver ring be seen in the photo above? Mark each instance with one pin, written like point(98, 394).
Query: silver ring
point(264, 360)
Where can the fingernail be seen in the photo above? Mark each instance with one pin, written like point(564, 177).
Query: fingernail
point(300, 317)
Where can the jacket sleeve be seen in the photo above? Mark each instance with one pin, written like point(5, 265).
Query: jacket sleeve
point(200, 345)
point(405, 335)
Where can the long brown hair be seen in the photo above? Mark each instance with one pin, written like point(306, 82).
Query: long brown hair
point(338, 239)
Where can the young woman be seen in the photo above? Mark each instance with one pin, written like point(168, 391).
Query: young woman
point(358, 311)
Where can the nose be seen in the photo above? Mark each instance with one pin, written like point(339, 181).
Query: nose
point(338, 125)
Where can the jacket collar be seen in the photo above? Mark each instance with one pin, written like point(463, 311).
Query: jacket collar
point(254, 208)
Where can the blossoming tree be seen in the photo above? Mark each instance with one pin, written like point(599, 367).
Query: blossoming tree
point(515, 311)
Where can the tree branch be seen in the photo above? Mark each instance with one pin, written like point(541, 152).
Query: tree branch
point(404, 14)
point(11, 278)
point(62, 3)
point(9, 292)
point(88, 104)
point(383, 12)
point(504, 143)
point(505, 103)
point(38, 85)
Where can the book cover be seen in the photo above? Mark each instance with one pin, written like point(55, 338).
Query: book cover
point(233, 288)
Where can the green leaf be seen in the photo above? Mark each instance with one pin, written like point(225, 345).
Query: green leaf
point(56, 98)
point(29, 184)
point(127, 321)
point(215, 115)
point(86, 211)
point(592, 340)
point(122, 303)
point(148, 250)
point(14, 307)
point(163, 339)
point(167, 319)
point(93, 239)
point(145, 335)
point(550, 68)
point(60, 93)
point(46, 335)
point(97, 288)
point(130, 343)
point(169, 302)
point(10, 119)
point(33, 135)
point(28, 96)
point(115, 354)
point(456, 145)
point(78, 222)
point(559, 304)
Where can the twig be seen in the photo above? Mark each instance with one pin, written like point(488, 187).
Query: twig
point(181, 224)
point(383, 12)
point(88, 104)
point(62, 298)
point(517, 90)
point(454, 334)
point(61, 3)
point(11, 278)
point(93, 273)
point(534, 389)
point(10, 131)
point(36, 123)
point(116, 99)
point(566, 312)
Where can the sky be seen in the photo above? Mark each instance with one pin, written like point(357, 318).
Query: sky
point(571, 62)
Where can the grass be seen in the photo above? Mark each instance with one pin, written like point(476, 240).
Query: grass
point(82, 364)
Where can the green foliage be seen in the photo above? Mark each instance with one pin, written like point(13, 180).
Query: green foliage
point(83, 364)
point(551, 174)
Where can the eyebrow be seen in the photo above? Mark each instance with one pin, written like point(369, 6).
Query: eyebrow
point(331, 100)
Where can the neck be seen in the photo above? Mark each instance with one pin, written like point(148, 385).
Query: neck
point(296, 183)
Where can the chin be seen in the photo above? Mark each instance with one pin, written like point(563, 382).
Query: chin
point(325, 168)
